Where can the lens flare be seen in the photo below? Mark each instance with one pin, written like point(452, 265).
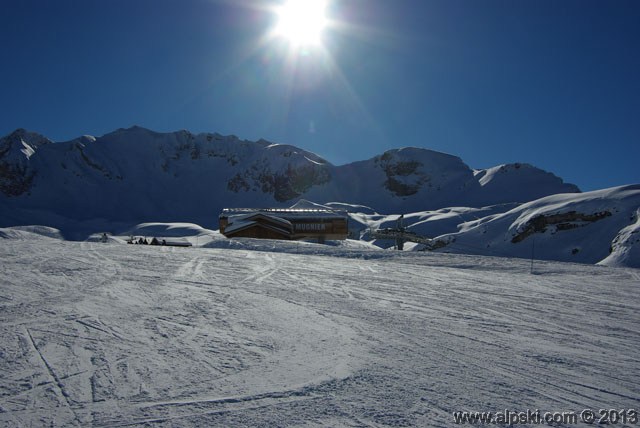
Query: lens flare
point(302, 22)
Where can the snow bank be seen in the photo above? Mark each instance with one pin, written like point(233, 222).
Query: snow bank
point(169, 230)
point(29, 232)
point(625, 248)
point(184, 232)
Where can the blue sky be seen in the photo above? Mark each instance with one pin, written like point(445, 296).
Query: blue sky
point(555, 83)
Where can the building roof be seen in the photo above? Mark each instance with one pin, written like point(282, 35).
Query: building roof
point(284, 212)
point(245, 221)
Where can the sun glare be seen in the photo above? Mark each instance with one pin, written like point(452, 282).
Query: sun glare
point(302, 22)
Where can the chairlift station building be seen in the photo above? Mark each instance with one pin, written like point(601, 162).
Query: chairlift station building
point(284, 223)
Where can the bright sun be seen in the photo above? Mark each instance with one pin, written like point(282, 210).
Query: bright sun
point(301, 22)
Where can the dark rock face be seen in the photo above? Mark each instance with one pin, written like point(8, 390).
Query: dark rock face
point(296, 181)
point(564, 221)
point(14, 179)
point(399, 172)
point(284, 185)
point(16, 148)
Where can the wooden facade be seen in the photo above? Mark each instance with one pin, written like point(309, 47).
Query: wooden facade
point(287, 223)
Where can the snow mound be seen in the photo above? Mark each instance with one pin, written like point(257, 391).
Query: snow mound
point(177, 233)
point(99, 237)
point(174, 230)
point(625, 248)
point(506, 182)
point(30, 232)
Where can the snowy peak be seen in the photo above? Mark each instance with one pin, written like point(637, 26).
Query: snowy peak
point(139, 175)
point(246, 165)
point(500, 174)
point(431, 159)
point(287, 151)
point(16, 149)
point(409, 170)
point(285, 172)
point(425, 179)
point(21, 144)
point(509, 180)
point(32, 138)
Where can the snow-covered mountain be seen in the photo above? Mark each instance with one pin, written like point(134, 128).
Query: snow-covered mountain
point(413, 179)
point(592, 227)
point(600, 227)
point(136, 175)
point(16, 150)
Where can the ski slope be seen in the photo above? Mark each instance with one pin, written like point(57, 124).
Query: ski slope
point(112, 334)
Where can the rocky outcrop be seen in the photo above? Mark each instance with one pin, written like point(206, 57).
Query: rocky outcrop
point(16, 176)
point(564, 221)
point(14, 180)
point(403, 177)
point(284, 185)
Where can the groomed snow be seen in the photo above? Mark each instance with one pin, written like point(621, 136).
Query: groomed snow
point(112, 334)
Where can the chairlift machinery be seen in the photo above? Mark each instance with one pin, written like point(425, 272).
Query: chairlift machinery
point(399, 234)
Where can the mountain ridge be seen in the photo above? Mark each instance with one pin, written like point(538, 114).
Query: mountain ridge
point(136, 174)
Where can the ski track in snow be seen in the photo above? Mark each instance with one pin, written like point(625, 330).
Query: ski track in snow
point(120, 335)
